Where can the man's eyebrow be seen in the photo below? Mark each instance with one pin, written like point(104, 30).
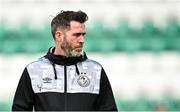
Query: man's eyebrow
point(80, 33)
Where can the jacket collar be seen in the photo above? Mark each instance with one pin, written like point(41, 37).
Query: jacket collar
point(62, 60)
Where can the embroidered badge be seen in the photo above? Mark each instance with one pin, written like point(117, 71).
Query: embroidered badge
point(83, 80)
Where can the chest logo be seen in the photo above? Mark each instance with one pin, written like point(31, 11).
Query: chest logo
point(47, 80)
point(83, 81)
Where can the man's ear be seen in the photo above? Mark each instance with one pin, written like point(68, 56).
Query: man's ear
point(59, 36)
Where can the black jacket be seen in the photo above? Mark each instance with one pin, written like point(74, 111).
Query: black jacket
point(58, 83)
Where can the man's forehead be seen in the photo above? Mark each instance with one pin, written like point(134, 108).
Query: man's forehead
point(76, 25)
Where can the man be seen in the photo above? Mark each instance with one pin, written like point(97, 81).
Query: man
point(65, 79)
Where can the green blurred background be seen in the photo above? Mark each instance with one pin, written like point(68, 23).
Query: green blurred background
point(137, 42)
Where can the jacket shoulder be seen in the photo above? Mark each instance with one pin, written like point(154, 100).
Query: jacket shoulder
point(40, 62)
point(93, 63)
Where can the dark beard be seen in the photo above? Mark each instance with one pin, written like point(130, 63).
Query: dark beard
point(68, 49)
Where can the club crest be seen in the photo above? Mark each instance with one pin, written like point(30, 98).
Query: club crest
point(83, 81)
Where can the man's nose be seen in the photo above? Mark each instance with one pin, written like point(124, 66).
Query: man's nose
point(81, 39)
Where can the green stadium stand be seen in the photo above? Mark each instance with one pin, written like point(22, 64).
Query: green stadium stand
point(10, 46)
point(171, 104)
point(148, 29)
point(128, 39)
point(172, 28)
point(144, 104)
point(153, 38)
point(129, 44)
point(99, 38)
point(154, 44)
point(123, 29)
point(5, 106)
point(107, 45)
point(91, 42)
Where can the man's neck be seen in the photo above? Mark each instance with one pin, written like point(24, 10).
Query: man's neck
point(59, 52)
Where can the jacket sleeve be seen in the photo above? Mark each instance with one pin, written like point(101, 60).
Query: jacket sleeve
point(24, 96)
point(105, 100)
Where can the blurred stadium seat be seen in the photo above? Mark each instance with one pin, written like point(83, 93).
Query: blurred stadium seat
point(99, 38)
point(121, 37)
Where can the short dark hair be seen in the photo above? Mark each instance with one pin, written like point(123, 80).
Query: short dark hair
point(63, 19)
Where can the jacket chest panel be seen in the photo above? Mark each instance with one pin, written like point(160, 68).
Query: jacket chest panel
point(88, 81)
point(43, 80)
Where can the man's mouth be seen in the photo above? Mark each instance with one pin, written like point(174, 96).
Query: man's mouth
point(78, 49)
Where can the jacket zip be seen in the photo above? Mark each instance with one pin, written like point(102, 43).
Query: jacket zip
point(65, 87)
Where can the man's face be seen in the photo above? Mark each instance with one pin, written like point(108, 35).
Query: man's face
point(74, 39)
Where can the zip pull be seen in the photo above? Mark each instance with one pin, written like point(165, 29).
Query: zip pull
point(54, 69)
point(77, 71)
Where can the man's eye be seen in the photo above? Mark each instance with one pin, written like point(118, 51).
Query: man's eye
point(83, 34)
point(79, 34)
